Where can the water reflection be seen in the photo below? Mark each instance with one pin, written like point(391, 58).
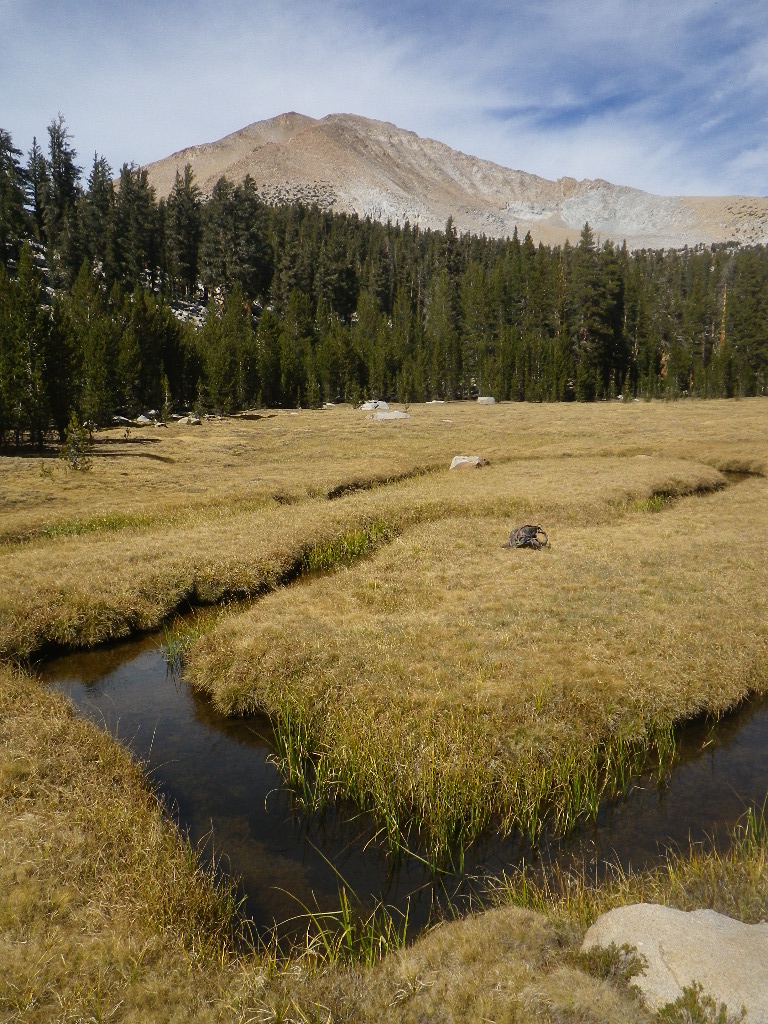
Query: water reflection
point(216, 775)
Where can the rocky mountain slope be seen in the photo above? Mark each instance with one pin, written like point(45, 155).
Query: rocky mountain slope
point(348, 163)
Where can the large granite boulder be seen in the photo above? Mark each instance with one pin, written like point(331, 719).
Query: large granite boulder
point(727, 958)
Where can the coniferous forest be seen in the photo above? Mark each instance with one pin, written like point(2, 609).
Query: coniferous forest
point(114, 301)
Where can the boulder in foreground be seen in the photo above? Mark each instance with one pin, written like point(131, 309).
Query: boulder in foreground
point(727, 958)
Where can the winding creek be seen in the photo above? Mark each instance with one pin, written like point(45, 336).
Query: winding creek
point(216, 776)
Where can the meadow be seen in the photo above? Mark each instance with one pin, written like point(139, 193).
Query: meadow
point(413, 666)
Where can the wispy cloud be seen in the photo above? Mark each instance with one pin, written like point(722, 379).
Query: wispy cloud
point(667, 97)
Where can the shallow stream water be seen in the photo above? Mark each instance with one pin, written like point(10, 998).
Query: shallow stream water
point(216, 777)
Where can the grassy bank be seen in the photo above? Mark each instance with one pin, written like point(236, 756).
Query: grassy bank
point(101, 903)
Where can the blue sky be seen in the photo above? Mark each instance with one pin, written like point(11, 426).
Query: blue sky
point(670, 96)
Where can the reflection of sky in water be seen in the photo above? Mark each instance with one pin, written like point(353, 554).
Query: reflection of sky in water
point(215, 774)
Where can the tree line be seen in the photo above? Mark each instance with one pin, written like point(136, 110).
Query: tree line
point(99, 279)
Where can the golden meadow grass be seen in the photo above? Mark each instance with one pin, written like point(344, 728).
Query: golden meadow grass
point(178, 473)
point(84, 586)
point(466, 661)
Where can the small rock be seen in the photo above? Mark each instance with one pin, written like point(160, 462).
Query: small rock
point(727, 958)
point(467, 462)
point(395, 414)
point(486, 400)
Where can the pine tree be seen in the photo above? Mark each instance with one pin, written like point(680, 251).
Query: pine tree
point(252, 255)
point(478, 351)
point(136, 239)
point(96, 213)
point(594, 307)
point(183, 228)
point(7, 354)
point(295, 348)
point(37, 183)
point(12, 215)
point(441, 335)
point(92, 333)
point(23, 349)
point(63, 176)
point(234, 247)
point(268, 349)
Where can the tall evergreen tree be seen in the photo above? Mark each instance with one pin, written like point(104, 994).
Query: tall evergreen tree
point(24, 330)
point(96, 216)
point(183, 228)
point(296, 337)
point(93, 333)
point(234, 247)
point(441, 336)
point(37, 181)
point(12, 216)
point(62, 185)
point(136, 238)
point(268, 349)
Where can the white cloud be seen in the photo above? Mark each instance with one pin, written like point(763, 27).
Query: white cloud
point(667, 97)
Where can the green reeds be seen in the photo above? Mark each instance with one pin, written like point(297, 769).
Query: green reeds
point(297, 760)
point(456, 794)
point(351, 934)
point(346, 548)
point(179, 637)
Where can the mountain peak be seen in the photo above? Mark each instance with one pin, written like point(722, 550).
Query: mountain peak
point(353, 164)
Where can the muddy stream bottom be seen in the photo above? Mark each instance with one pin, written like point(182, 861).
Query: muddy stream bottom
point(216, 777)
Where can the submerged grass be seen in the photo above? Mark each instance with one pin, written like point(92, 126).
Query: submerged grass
point(346, 548)
point(452, 797)
point(353, 934)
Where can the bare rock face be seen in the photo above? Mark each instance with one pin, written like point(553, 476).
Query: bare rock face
point(374, 169)
point(727, 958)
